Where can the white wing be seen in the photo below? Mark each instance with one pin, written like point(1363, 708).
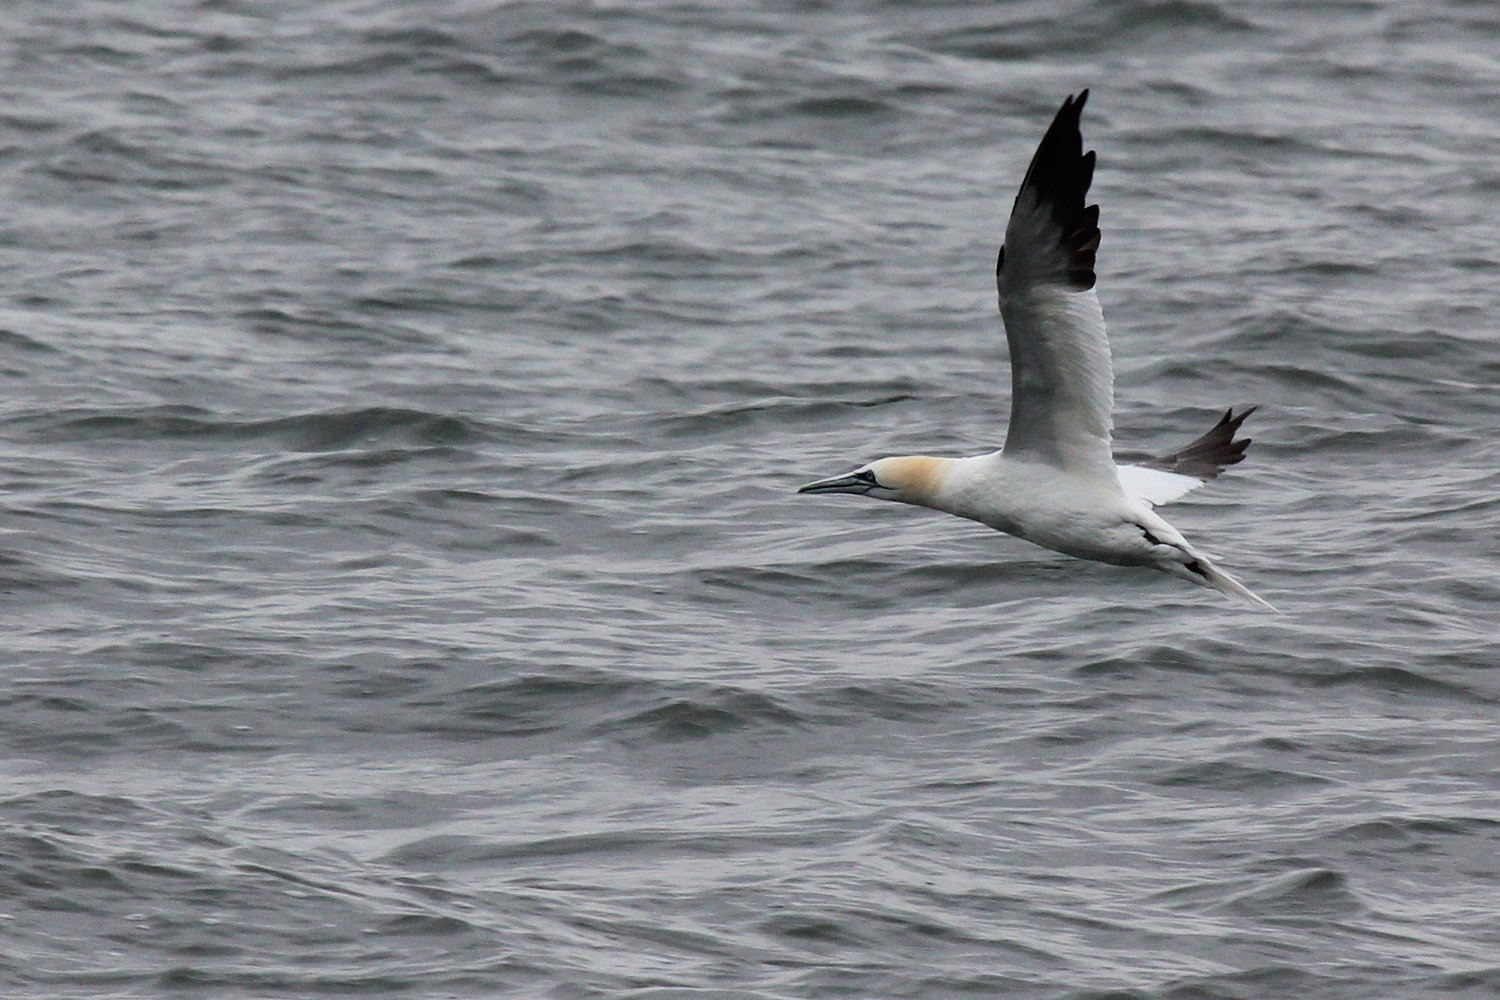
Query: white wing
point(1168, 478)
point(1062, 386)
point(1154, 486)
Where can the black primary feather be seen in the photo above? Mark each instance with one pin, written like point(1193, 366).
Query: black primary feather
point(1211, 454)
point(1059, 179)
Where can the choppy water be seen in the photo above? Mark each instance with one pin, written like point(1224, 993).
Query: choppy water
point(405, 592)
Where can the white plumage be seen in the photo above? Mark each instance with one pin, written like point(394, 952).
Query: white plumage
point(1056, 482)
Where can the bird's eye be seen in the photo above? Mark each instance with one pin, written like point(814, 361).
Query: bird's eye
point(866, 476)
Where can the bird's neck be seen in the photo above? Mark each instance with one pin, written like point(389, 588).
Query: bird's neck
point(969, 487)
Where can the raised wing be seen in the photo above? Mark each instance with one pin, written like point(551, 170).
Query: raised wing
point(1062, 386)
point(1162, 480)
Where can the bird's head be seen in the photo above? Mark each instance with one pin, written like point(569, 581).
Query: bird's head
point(909, 479)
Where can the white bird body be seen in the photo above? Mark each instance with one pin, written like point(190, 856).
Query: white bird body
point(1074, 514)
point(1056, 483)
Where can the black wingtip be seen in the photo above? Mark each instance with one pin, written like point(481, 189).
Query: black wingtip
point(1212, 453)
point(1060, 175)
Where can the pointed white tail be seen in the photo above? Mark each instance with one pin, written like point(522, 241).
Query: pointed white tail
point(1224, 583)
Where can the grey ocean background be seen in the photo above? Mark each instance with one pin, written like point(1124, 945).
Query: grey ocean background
point(405, 592)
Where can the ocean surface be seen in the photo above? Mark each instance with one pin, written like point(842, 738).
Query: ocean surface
point(405, 590)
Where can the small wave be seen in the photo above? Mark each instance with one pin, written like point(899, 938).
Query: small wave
point(596, 703)
point(113, 156)
point(1172, 658)
point(525, 706)
point(814, 933)
point(423, 924)
point(702, 714)
point(311, 465)
point(46, 868)
point(806, 584)
point(567, 42)
point(237, 981)
point(10, 339)
point(756, 392)
point(470, 71)
point(321, 326)
point(364, 64)
point(1401, 829)
point(890, 700)
point(657, 250)
point(391, 811)
point(311, 432)
point(1312, 336)
point(1481, 982)
point(419, 38)
point(1110, 25)
point(1264, 981)
point(840, 107)
point(455, 850)
point(692, 993)
point(1399, 681)
point(31, 124)
point(1229, 776)
point(1258, 144)
point(1309, 891)
point(733, 417)
point(61, 807)
point(589, 63)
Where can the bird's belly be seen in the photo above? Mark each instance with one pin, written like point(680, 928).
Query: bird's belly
point(1088, 536)
point(1051, 507)
point(1080, 524)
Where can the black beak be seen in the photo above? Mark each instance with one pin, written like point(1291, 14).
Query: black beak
point(838, 484)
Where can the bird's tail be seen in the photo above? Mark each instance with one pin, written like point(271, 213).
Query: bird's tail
point(1202, 571)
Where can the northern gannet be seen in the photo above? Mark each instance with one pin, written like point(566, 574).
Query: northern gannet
point(1055, 483)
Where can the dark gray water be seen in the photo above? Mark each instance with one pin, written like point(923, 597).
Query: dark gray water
point(405, 591)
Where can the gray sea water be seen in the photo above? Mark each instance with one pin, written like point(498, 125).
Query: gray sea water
point(405, 594)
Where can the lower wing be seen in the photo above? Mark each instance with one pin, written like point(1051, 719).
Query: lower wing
point(1162, 480)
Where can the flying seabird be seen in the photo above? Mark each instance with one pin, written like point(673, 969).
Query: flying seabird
point(1055, 483)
